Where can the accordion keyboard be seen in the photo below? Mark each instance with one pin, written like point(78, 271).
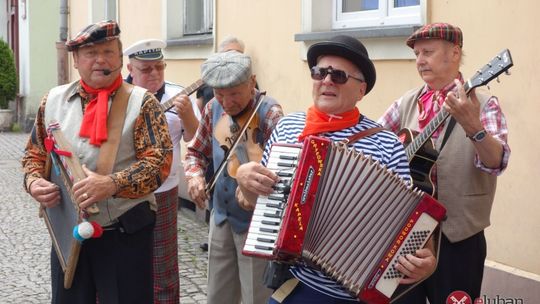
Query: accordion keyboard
point(268, 213)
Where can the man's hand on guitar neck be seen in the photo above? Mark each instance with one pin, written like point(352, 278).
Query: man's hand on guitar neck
point(466, 111)
point(184, 110)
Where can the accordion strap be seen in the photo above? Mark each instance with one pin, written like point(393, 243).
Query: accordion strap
point(115, 124)
point(356, 137)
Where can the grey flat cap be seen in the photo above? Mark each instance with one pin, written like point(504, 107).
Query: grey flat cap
point(226, 70)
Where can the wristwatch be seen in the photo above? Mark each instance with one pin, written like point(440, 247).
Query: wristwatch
point(478, 136)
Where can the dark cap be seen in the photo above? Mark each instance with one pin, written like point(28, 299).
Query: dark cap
point(93, 34)
point(349, 48)
point(444, 31)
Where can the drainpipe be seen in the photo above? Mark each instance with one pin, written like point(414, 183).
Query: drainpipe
point(61, 50)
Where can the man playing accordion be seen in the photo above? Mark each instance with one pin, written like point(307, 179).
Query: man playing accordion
point(342, 74)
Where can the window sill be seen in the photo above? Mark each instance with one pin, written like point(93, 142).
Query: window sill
point(382, 43)
point(363, 33)
point(190, 47)
point(198, 40)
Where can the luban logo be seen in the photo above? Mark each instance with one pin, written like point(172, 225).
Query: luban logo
point(498, 300)
point(459, 297)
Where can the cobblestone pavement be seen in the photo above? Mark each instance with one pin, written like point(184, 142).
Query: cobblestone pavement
point(25, 243)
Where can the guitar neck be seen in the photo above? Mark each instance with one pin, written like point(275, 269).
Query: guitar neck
point(165, 106)
point(432, 126)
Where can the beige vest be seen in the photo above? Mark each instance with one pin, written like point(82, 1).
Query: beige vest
point(466, 192)
point(64, 106)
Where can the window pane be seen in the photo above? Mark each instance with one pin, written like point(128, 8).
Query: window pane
point(98, 10)
point(111, 10)
point(403, 3)
point(194, 15)
point(359, 5)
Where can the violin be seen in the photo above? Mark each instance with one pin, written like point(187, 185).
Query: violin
point(248, 148)
point(241, 140)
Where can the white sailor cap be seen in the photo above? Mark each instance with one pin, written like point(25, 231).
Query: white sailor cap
point(148, 49)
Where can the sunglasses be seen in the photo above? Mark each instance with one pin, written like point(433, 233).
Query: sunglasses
point(337, 76)
point(147, 70)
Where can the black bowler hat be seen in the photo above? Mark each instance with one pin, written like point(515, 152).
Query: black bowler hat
point(349, 48)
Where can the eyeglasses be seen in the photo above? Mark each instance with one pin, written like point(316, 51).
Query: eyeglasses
point(337, 76)
point(147, 70)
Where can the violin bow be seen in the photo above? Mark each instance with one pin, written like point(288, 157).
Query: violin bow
point(212, 183)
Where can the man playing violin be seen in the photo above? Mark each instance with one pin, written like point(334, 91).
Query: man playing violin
point(147, 69)
point(472, 153)
point(232, 277)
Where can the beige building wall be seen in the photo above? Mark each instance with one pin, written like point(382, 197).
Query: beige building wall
point(488, 28)
point(268, 29)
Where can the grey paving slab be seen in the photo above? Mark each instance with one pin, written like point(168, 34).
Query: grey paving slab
point(25, 243)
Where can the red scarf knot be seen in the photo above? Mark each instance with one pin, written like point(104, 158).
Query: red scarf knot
point(94, 124)
point(319, 122)
point(430, 103)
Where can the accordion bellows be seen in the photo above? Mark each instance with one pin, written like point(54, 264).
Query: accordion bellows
point(344, 214)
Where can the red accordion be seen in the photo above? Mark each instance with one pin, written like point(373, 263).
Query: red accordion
point(343, 213)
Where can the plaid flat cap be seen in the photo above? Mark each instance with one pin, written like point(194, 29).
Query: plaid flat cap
point(226, 70)
point(94, 33)
point(444, 31)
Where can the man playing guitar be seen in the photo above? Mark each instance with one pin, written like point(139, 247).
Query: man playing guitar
point(475, 153)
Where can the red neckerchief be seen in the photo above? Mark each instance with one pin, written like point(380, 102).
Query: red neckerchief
point(94, 124)
point(430, 103)
point(319, 122)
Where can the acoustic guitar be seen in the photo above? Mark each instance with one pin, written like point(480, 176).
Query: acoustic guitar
point(165, 106)
point(420, 148)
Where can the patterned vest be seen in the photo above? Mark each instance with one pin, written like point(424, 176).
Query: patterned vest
point(224, 201)
point(465, 191)
point(65, 107)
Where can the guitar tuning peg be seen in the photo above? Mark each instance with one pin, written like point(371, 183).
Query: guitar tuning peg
point(498, 80)
point(507, 72)
point(488, 87)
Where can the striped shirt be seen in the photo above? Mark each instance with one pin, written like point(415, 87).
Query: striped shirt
point(382, 146)
point(491, 117)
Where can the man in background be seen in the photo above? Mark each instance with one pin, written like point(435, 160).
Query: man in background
point(147, 69)
point(232, 277)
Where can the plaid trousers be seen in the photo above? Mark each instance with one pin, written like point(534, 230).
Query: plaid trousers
point(165, 261)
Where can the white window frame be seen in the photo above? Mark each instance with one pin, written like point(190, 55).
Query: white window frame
point(385, 15)
point(208, 18)
point(103, 10)
point(383, 42)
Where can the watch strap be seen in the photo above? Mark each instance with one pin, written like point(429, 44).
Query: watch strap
point(479, 136)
